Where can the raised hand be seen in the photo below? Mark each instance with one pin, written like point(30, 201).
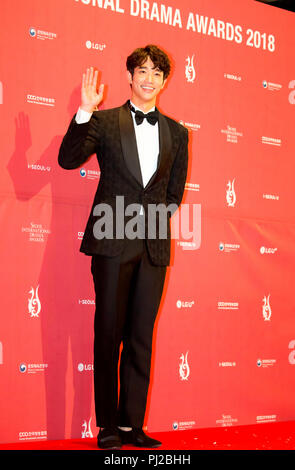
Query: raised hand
point(90, 97)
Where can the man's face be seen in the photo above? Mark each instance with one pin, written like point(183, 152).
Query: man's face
point(147, 82)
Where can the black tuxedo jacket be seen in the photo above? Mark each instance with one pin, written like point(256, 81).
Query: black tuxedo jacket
point(110, 134)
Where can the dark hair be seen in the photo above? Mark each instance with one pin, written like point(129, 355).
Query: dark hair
point(157, 56)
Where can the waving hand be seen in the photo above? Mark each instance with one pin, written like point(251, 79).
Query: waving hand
point(90, 96)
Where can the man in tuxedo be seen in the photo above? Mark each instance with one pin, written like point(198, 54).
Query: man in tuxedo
point(143, 157)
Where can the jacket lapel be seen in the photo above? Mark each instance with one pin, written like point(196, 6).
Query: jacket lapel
point(165, 150)
point(128, 141)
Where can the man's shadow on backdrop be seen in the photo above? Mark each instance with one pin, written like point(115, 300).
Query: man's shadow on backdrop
point(64, 325)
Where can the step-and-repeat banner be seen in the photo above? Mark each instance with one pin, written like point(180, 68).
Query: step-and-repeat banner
point(224, 348)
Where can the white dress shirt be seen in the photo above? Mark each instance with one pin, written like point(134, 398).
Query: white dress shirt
point(147, 139)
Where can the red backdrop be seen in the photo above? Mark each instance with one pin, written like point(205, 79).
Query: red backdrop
point(225, 334)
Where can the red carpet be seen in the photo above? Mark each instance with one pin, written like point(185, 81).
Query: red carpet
point(267, 436)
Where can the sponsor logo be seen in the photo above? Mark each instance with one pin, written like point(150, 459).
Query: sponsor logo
point(228, 247)
point(271, 141)
point(43, 35)
point(84, 367)
point(184, 369)
point(89, 174)
point(184, 304)
point(266, 251)
point(86, 430)
point(86, 302)
point(32, 435)
point(190, 71)
point(265, 363)
point(42, 100)
point(271, 86)
point(231, 76)
point(34, 304)
point(36, 232)
point(231, 197)
point(32, 368)
point(232, 134)
point(22, 368)
point(190, 125)
point(192, 187)
point(266, 419)
point(226, 420)
point(188, 245)
point(32, 32)
point(273, 197)
point(227, 364)
point(228, 305)
point(181, 425)
point(39, 167)
point(266, 310)
point(96, 46)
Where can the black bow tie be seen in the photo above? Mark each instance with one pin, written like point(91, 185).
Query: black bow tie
point(151, 117)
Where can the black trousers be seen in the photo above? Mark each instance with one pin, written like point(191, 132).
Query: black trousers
point(128, 291)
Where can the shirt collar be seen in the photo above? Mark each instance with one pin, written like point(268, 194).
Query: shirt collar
point(137, 109)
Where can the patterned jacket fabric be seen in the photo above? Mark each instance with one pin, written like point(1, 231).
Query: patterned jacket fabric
point(110, 135)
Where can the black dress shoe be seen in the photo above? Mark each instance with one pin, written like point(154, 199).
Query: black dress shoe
point(108, 438)
point(138, 438)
